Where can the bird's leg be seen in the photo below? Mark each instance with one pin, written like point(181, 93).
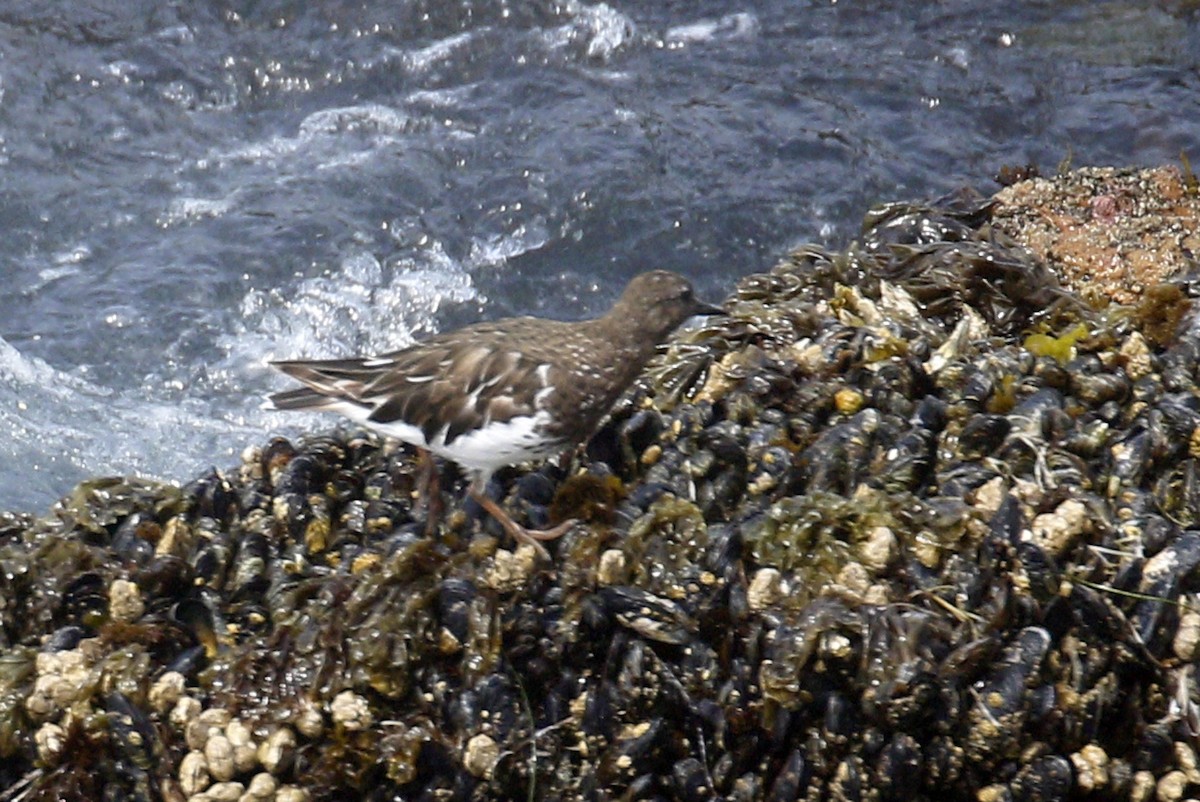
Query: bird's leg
point(534, 537)
point(429, 490)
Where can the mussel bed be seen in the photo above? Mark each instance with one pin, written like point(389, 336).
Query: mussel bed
point(913, 521)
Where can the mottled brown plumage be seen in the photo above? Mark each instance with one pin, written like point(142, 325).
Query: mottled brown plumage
point(499, 393)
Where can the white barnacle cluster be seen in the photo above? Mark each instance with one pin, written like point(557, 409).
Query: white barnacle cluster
point(228, 759)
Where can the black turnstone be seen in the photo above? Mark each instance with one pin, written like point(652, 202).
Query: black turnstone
point(495, 394)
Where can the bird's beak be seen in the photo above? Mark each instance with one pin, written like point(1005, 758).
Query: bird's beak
point(703, 309)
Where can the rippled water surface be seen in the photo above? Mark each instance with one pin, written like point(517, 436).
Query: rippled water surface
point(188, 189)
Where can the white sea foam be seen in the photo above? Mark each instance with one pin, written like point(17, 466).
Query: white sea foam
point(186, 210)
point(441, 50)
point(322, 138)
point(602, 29)
point(372, 118)
point(60, 428)
point(364, 306)
point(440, 98)
point(20, 371)
point(742, 25)
point(498, 249)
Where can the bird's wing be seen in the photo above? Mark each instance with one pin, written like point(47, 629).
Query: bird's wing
point(457, 390)
point(442, 388)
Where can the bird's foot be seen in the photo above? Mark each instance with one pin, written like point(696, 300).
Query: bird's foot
point(534, 537)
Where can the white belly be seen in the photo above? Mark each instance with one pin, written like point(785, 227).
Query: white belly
point(485, 450)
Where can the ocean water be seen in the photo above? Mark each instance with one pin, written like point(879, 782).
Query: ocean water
point(190, 189)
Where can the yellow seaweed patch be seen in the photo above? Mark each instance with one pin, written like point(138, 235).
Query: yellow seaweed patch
point(1061, 349)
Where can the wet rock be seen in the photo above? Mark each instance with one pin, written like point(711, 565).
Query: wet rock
point(915, 520)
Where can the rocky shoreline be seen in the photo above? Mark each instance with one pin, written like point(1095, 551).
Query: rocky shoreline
point(917, 520)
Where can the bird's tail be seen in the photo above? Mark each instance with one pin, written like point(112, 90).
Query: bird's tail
point(329, 384)
point(299, 398)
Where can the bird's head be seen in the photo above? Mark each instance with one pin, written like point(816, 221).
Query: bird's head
point(660, 300)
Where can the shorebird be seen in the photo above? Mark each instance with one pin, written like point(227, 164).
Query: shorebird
point(505, 392)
